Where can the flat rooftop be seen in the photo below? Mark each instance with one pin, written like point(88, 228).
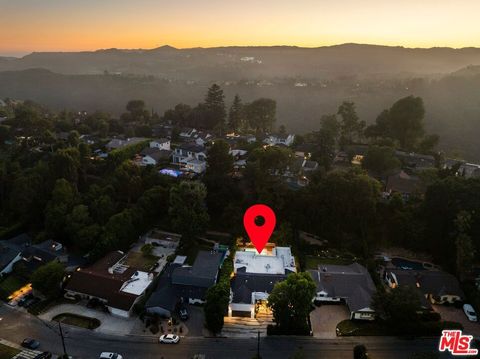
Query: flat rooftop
point(278, 261)
point(137, 283)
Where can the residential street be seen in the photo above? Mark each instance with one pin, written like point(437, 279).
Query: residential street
point(86, 344)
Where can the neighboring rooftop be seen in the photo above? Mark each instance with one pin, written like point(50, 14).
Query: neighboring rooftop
point(351, 282)
point(243, 285)
point(110, 280)
point(437, 283)
point(203, 273)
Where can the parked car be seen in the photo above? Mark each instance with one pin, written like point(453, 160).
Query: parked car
point(44, 355)
point(24, 300)
point(108, 355)
point(93, 303)
point(470, 312)
point(31, 301)
point(169, 339)
point(30, 343)
point(183, 312)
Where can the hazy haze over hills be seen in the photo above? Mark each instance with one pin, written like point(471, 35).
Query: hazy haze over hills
point(306, 82)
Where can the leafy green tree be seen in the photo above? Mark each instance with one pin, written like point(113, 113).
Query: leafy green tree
point(380, 160)
point(402, 122)
point(326, 140)
point(428, 144)
point(351, 126)
point(147, 249)
point(47, 279)
point(74, 138)
point(120, 231)
point(187, 211)
point(64, 197)
point(219, 160)
point(127, 181)
point(261, 114)
point(216, 306)
point(215, 104)
point(178, 116)
point(137, 112)
point(291, 302)
point(236, 119)
point(465, 252)
point(399, 307)
point(65, 164)
point(81, 229)
point(4, 134)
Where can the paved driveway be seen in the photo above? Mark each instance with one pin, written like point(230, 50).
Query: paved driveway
point(453, 314)
point(325, 318)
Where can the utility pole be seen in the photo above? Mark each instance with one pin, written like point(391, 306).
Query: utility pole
point(258, 344)
point(65, 355)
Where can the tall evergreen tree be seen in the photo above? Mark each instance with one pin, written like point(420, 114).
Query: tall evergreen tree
point(235, 115)
point(215, 104)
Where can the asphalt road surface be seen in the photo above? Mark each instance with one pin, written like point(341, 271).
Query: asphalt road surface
point(85, 344)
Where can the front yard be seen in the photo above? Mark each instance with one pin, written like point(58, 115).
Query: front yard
point(381, 328)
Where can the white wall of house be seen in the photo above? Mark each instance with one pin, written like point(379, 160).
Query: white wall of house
point(147, 160)
point(195, 301)
point(323, 296)
point(241, 307)
point(160, 145)
point(197, 167)
point(364, 314)
point(119, 312)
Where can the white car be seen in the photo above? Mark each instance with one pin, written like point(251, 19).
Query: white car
point(108, 355)
point(470, 312)
point(169, 339)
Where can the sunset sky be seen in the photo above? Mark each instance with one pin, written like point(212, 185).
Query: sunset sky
point(66, 25)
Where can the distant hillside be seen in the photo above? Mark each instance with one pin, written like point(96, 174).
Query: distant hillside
point(237, 63)
point(452, 101)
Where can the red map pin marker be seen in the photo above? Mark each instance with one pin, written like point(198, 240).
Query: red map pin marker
point(259, 235)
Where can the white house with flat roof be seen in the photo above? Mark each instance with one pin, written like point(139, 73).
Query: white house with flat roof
point(255, 276)
point(277, 261)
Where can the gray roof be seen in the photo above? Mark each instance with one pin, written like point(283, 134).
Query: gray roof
point(437, 283)
point(9, 249)
point(352, 282)
point(156, 154)
point(7, 254)
point(244, 284)
point(191, 147)
point(203, 273)
point(161, 140)
point(165, 295)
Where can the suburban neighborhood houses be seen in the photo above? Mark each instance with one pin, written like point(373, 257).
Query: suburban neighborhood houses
point(139, 231)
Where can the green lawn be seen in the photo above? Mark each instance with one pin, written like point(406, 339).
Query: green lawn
point(7, 352)
point(140, 261)
point(77, 320)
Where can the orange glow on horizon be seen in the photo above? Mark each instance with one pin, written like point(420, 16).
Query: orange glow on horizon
point(58, 25)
